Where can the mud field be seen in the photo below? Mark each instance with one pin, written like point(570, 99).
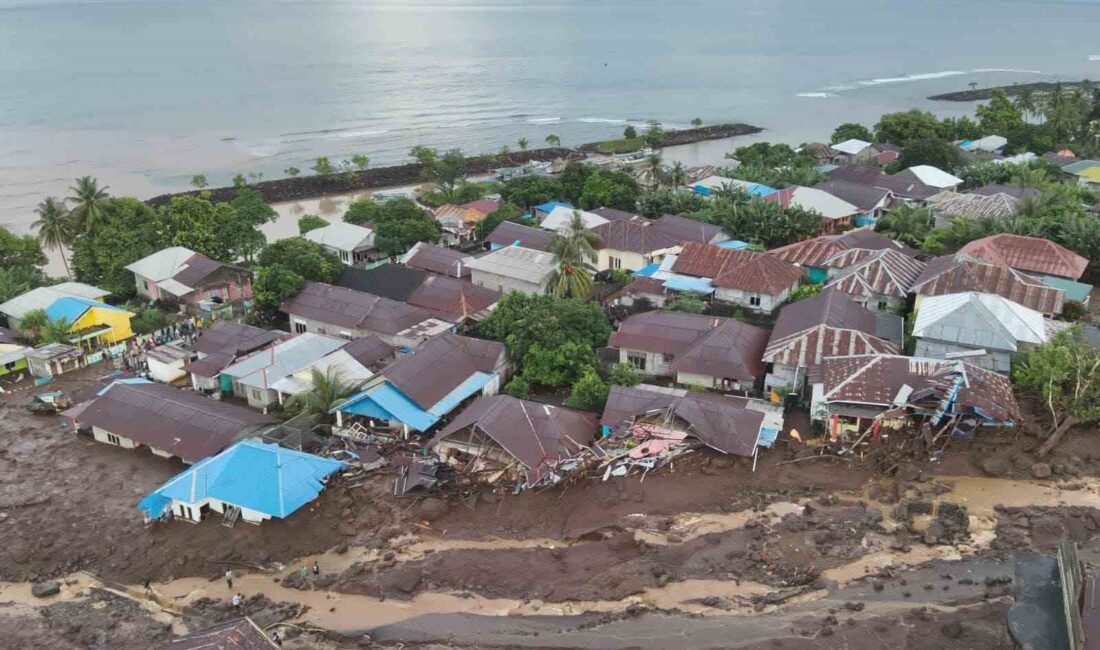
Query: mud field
point(705, 553)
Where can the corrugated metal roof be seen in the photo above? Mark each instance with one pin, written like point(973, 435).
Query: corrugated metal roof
point(517, 262)
point(960, 273)
point(234, 338)
point(743, 270)
point(352, 309)
point(819, 201)
point(341, 365)
point(509, 233)
point(436, 259)
point(931, 176)
point(438, 366)
point(241, 634)
point(255, 475)
point(864, 197)
point(870, 273)
point(341, 236)
point(817, 251)
point(851, 147)
point(828, 324)
point(264, 368)
point(162, 264)
point(974, 206)
point(72, 308)
point(180, 422)
point(560, 217)
point(43, 297)
point(979, 320)
point(1028, 254)
point(634, 236)
point(452, 299)
point(685, 230)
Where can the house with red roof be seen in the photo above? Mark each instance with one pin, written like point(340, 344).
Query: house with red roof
point(180, 277)
point(748, 279)
point(1028, 254)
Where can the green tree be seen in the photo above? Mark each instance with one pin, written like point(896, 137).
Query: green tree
point(55, 331)
point(427, 158)
point(800, 173)
point(17, 280)
point(292, 171)
point(129, 231)
point(609, 189)
point(661, 202)
point(902, 128)
point(327, 390)
point(678, 175)
point(766, 154)
point(198, 181)
point(588, 393)
point(1065, 373)
point(521, 321)
point(400, 223)
point(624, 374)
point(89, 201)
point(361, 162)
point(697, 122)
point(256, 176)
point(1000, 115)
point(522, 143)
point(930, 151)
point(240, 181)
point(308, 222)
point(687, 304)
point(1026, 102)
point(803, 291)
point(194, 222)
point(957, 233)
point(906, 223)
point(572, 179)
point(449, 171)
point(54, 227)
point(32, 324)
point(654, 136)
point(575, 253)
point(851, 131)
point(274, 284)
point(529, 191)
point(147, 320)
point(558, 367)
point(506, 212)
point(518, 387)
point(553, 140)
point(362, 211)
point(629, 133)
point(323, 166)
point(308, 260)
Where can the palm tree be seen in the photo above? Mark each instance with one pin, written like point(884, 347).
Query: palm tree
point(655, 167)
point(522, 142)
point(328, 390)
point(575, 251)
point(89, 203)
point(678, 175)
point(553, 141)
point(32, 324)
point(1025, 176)
point(56, 331)
point(906, 223)
point(1025, 101)
point(55, 228)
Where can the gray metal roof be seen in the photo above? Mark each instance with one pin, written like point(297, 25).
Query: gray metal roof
point(517, 262)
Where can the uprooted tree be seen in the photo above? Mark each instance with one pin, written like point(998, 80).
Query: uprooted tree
point(1065, 373)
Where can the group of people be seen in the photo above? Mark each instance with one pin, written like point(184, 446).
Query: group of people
point(238, 598)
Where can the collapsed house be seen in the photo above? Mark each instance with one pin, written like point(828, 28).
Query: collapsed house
point(646, 426)
point(879, 390)
point(502, 436)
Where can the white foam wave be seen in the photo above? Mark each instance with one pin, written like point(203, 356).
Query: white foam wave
point(924, 76)
point(600, 120)
point(912, 77)
point(817, 95)
point(361, 133)
point(1094, 57)
point(1015, 70)
point(544, 120)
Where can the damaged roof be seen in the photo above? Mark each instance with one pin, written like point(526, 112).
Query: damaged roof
point(438, 366)
point(1030, 254)
point(870, 273)
point(451, 298)
point(817, 251)
point(180, 422)
point(888, 380)
point(960, 272)
point(743, 270)
point(830, 324)
point(234, 338)
point(974, 206)
point(241, 634)
point(510, 232)
point(536, 435)
point(353, 309)
point(722, 422)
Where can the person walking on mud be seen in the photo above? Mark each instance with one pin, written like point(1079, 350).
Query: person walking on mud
point(229, 579)
point(316, 570)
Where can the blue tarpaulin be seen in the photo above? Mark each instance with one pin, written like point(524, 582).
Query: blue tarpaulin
point(767, 438)
point(648, 270)
point(735, 244)
point(694, 285)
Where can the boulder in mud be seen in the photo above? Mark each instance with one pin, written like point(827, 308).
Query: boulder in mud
point(996, 466)
point(1041, 470)
point(46, 589)
point(431, 509)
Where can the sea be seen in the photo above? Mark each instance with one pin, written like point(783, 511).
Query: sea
point(144, 94)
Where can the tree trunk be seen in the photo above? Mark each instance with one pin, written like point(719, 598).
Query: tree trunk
point(1056, 436)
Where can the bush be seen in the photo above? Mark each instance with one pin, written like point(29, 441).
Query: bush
point(624, 374)
point(622, 145)
point(588, 393)
point(149, 319)
point(687, 304)
point(518, 387)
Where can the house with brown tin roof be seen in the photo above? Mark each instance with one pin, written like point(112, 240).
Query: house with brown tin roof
point(903, 188)
point(950, 205)
point(437, 259)
point(749, 279)
point(453, 300)
point(828, 324)
point(871, 201)
point(835, 212)
point(814, 254)
point(632, 245)
point(696, 350)
point(686, 230)
point(349, 314)
point(879, 280)
point(1028, 254)
point(857, 390)
point(219, 346)
point(461, 219)
point(510, 233)
point(515, 437)
point(960, 272)
point(640, 288)
point(612, 214)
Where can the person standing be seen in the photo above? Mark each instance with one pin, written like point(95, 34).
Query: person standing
point(236, 601)
point(316, 569)
point(229, 578)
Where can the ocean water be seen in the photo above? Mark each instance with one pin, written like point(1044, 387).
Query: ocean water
point(145, 93)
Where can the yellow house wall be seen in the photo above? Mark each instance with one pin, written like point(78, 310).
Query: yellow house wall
point(119, 320)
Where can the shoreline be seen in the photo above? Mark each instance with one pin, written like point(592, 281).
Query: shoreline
point(979, 94)
point(298, 188)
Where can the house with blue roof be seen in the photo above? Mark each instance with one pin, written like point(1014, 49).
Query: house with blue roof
point(416, 391)
point(92, 323)
point(540, 212)
point(253, 480)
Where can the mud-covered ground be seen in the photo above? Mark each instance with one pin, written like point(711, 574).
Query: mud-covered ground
point(644, 556)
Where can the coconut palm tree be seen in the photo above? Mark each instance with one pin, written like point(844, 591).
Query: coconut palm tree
point(522, 143)
point(328, 390)
point(1025, 101)
point(32, 324)
point(678, 175)
point(553, 141)
point(56, 331)
point(655, 166)
point(89, 203)
point(54, 226)
point(575, 251)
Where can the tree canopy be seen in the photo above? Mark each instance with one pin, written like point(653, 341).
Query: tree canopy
point(851, 131)
point(400, 223)
point(308, 222)
point(606, 188)
point(506, 212)
point(529, 191)
point(902, 128)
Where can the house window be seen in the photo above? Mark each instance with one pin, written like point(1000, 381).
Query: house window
point(667, 358)
point(883, 305)
point(344, 255)
point(636, 360)
point(754, 300)
point(113, 439)
point(615, 262)
point(299, 327)
point(257, 395)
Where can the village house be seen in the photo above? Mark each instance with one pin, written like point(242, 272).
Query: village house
point(711, 185)
point(950, 205)
point(349, 314)
point(166, 363)
point(751, 280)
point(993, 189)
point(510, 233)
point(1032, 255)
point(42, 297)
point(54, 359)
point(692, 349)
point(442, 297)
point(632, 245)
point(132, 413)
point(352, 365)
point(613, 214)
point(460, 220)
point(506, 436)
point(13, 358)
point(825, 325)
point(559, 218)
point(253, 377)
point(1085, 172)
point(871, 202)
point(416, 390)
point(351, 243)
point(988, 144)
point(514, 268)
point(92, 324)
point(814, 255)
point(886, 390)
point(252, 480)
point(196, 284)
point(930, 176)
point(835, 213)
point(853, 151)
point(880, 280)
point(686, 230)
point(437, 259)
point(725, 423)
point(904, 188)
point(218, 346)
point(640, 288)
point(541, 211)
point(961, 273)
point(982, 328)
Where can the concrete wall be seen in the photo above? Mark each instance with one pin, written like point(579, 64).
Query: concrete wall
point(166, 373)
point(655, 364)
point(505, 284)
point(206, 384)
point(628, 260)
point(692, 379)
point(101, 436)
point(768, 303)
point(193, 511)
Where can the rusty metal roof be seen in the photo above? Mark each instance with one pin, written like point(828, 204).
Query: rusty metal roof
point(451, 299)
point(1030, 254)
point(816, 252)
point(870, 273)
point(828, 324)
point(737, 269)
point(353, 309)
point(241, 634)
point(634, 236)
point(960, 273)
